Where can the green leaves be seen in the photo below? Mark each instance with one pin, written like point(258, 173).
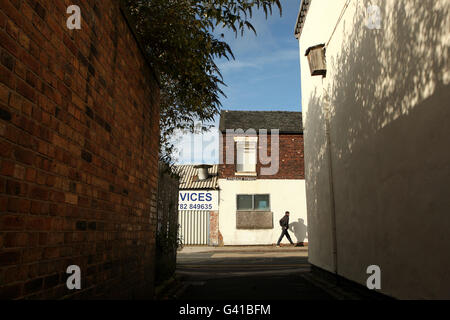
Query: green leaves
point(179, 38)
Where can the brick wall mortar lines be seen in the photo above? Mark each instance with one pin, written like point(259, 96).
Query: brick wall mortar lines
point(291, 158)
point(89, 190)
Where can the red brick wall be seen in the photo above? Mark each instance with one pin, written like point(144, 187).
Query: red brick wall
point(291, 158)
point(214, 228)
point(78, 143)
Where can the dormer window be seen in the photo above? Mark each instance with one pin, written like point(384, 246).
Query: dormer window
point(246, 155)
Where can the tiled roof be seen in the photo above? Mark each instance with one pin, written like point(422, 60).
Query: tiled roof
point(189, 179)
point(285, 121)
point(304, 6)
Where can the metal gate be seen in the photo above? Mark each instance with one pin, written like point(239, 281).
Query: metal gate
point(194, 227)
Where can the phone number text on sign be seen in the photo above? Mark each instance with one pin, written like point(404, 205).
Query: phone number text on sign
point(184, 206)
point(198, 200)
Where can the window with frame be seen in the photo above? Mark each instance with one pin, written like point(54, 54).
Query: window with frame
point(253, 202)
point(246, 154)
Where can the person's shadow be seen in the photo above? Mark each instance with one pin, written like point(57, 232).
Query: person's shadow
point(299, 229)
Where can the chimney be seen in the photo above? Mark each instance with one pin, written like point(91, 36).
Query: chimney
point(202, 171)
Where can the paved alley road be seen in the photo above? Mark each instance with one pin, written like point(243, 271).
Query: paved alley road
point(247, 273)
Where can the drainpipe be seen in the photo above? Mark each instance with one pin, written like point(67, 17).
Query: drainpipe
point(327, 112)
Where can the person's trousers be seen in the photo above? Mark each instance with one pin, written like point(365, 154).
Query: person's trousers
point(284, 232)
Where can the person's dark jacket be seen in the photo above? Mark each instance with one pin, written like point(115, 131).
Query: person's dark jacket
point(284, 222)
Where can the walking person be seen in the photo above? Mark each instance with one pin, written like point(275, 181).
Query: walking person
point(284, 223)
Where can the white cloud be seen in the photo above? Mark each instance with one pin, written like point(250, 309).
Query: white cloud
point(259, 62)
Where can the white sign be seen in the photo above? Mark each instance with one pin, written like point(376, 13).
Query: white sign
point(198, 200)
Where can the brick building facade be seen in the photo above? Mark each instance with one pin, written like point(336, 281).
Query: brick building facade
point(261, 176)
point(79, 114)
point(291, 158)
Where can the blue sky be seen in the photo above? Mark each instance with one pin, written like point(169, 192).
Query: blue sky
point(266, 72)
point(265, 75)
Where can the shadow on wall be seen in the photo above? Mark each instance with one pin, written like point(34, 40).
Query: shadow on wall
point(299, 229)
point(389, 96)
point(317, 185)
point(384, 74)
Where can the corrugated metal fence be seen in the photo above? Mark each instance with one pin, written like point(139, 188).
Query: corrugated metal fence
point(194, 227)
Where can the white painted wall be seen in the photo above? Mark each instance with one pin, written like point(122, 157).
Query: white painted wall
point(389, 95)
point(285, 195)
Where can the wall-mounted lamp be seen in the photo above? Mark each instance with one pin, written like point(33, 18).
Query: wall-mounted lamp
point(316, 60)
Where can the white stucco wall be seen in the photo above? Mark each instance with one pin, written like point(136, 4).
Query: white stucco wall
point(389, 95)
point(285, 195)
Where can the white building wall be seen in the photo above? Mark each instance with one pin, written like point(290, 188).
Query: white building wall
point(285, 195)
point(389, 95)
